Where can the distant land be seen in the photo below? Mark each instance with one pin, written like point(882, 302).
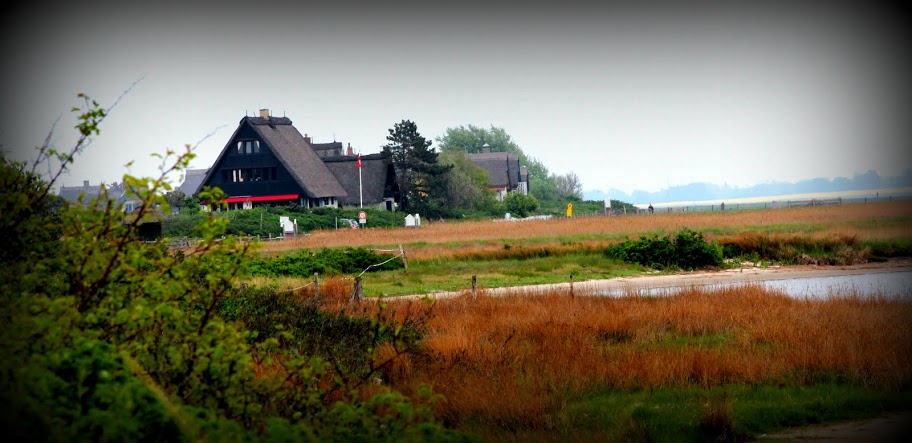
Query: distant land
point(706, 191)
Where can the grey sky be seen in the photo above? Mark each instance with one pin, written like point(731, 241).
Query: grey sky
point(626, 97)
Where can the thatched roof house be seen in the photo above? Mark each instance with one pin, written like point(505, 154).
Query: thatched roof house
point(504, 171)
point(268, 161)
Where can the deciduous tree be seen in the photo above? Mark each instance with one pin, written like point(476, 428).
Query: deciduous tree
point(470, 139)
point(568, 186)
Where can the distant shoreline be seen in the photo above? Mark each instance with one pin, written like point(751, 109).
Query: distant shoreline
point(854, 195)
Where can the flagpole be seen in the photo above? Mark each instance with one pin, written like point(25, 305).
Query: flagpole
point(360, 187)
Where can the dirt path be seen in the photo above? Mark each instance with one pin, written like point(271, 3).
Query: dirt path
point(688, 279)
point(893, 427)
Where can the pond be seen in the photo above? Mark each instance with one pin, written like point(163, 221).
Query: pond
point(893, 284)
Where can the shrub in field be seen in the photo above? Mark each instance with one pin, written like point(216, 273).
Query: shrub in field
point(692, 251)
point(326, 261)
point(520, 205)
point(688, 250)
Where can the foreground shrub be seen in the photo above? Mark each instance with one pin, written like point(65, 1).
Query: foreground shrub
point(108, 338)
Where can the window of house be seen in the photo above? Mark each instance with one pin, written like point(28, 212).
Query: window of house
point(248, 147)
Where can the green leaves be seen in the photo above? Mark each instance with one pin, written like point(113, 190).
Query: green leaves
point(418, 175)
point(687, 250)
point(326, 261)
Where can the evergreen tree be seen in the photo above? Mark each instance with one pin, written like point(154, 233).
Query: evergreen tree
point(418, 175)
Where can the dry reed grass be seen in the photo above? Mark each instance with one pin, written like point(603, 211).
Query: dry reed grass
point(492, 231)
point(518, 359)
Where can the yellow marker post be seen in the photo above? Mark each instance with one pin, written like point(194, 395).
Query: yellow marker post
point(569, 209)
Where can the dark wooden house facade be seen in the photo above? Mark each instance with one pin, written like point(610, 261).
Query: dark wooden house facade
point(268, 162)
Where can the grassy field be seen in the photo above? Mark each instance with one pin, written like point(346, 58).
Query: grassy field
point(866, 221)
point(444, 257)
point(697, 366)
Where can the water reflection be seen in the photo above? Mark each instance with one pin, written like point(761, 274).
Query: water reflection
point(889, 284)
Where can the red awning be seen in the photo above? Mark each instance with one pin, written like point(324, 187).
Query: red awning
point(261, 198)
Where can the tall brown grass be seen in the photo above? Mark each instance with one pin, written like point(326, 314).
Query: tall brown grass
point(514, 361)
point(494, 231)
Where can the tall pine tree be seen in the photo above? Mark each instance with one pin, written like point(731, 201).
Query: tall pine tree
point(418, 175)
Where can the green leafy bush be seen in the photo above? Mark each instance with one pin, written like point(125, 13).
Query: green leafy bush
point(520, 205)
point(326, 261)
point(687, 250)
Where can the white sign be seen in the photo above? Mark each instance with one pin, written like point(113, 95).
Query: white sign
point(288, 226)
point(607, 203)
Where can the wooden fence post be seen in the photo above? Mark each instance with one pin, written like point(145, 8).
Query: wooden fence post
point(571, 285)
point(316, 285)
point(474, 287)
point(357, 292)
point(404, 258)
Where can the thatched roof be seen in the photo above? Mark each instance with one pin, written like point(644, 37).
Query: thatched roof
point(293, 152)
point(298, 157)
point(192, 181)
point(374, 170)
point(71, 193)
point(333, 149)
point(503, 168)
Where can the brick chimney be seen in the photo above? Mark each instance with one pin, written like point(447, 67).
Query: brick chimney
point(485, 148)
point(264, 113)
point(350, 152)
point(306, 138)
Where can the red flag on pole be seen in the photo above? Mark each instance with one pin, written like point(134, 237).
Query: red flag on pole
point(358, 163)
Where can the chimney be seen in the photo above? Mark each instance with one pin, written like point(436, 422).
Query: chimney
point(264, 113)
point(306, 138)
point(85, 183)
point(350, 152)
point(485, 148)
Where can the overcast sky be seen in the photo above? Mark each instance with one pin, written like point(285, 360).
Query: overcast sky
point(626, 97)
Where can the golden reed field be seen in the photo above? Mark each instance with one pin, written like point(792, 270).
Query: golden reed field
point(516, 361)
point(859, 220)
point(519, 358)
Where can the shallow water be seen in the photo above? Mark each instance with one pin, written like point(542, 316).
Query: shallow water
point(887, 284)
